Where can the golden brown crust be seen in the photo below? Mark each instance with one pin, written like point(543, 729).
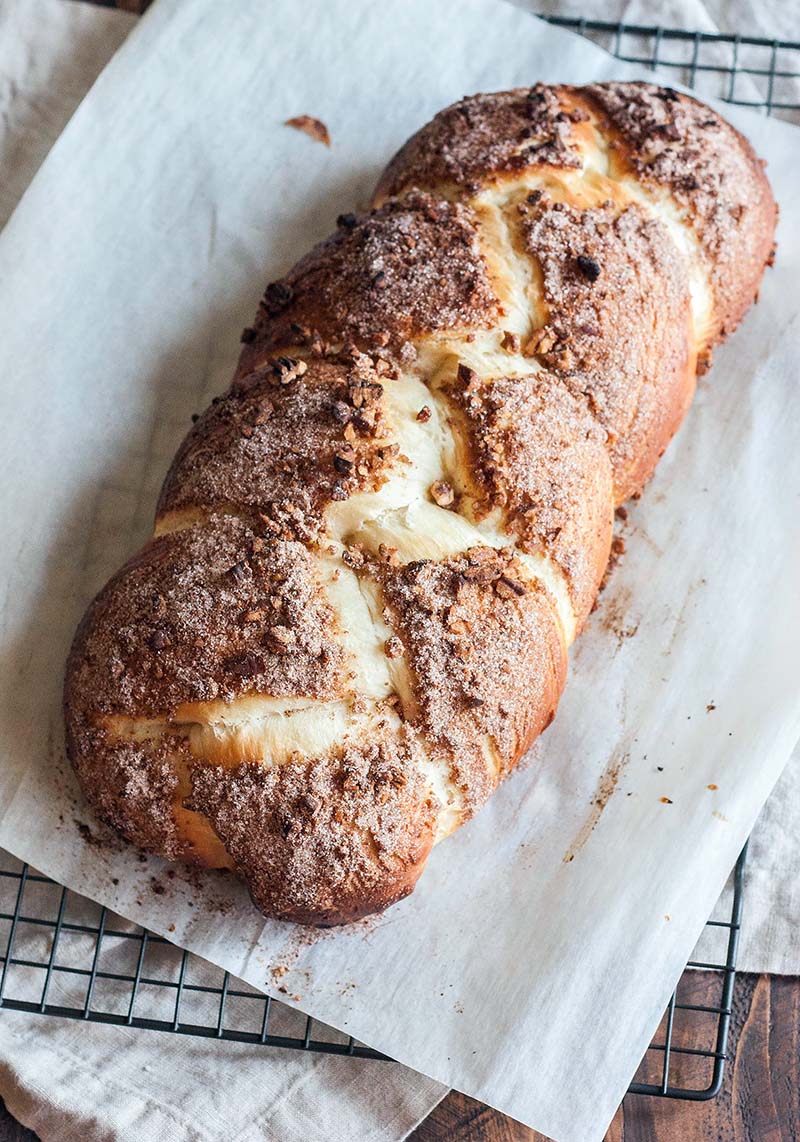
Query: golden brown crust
point(411, 268)
point(205, 614)
point(326, 840)
point(539, 456)
point(475, 372)
point(671, 141)
point(285, 449)
point(487, 656)
point(618, 325)
point(483, 138)
point(132, 785)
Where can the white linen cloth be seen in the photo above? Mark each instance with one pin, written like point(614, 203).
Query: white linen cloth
point(124, 540)
point(77, 1082)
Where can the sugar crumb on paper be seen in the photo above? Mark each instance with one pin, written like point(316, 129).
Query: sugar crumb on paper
point(680, 619)
point(314, 128)
point(613, 617)
point(606, 786)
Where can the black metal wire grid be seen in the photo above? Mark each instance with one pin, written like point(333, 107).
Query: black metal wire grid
point(79, 961)
point(65, 955)
point(702, 1067)
point(749, 71)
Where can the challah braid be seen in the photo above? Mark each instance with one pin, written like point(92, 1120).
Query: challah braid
point(372, 553)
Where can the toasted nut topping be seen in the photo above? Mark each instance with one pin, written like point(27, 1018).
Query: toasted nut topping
point(388, 554)
point(238, 572)
point(541, 341)
point(511, 342)
point(393, 647)
point(353, 557)
point(482, 572)
point(588, 267)
point(252, 616)
point(280, 638)
point(344, 460)
point(424, 414)
point(466, 375)
point(314, 128)
point(480, 554)
point(508, 588)
point(264, 413)
point(287, 369)
point(276, 297)
point(246, 665)
point(442, 493)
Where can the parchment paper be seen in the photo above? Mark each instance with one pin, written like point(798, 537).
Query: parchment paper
point(526, 979)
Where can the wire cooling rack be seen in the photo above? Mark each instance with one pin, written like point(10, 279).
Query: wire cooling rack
point(66, 956)
point(750, 71)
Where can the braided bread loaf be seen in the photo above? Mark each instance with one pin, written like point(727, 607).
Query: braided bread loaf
point(372, 553)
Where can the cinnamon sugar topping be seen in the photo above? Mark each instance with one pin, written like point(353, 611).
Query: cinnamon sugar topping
point(255, 689)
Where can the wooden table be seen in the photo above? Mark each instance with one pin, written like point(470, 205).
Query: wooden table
point(759, 1101)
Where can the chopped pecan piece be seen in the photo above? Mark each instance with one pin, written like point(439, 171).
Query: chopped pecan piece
point(393, 647)
point(588, 267)
point(314, 128)
point(508, 588)
point(541, 341)
point(442, 493)
point(280, 639)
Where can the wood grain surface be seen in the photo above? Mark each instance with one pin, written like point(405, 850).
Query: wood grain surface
point(759, 1100)
point(760, 1097)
